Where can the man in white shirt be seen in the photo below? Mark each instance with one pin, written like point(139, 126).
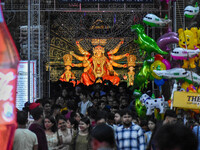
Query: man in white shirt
point(85, 103)
point(24, 139)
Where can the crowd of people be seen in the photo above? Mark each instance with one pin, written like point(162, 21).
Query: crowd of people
point(98, 117)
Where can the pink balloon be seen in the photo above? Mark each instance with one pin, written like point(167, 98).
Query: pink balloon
point(167, 63)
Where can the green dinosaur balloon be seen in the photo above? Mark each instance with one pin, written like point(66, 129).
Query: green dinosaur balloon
point(140, 109)
point(145, 42)
point(144, 75)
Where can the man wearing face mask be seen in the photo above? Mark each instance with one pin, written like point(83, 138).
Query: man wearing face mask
point(129, 136)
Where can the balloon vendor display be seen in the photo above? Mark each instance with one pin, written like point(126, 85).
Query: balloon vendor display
point(159, 69)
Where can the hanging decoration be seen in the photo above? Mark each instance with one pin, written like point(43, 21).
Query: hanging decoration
point(152, 103)
point(145, 42)
point(166, 39)
point(191, 11)
point(154, 21)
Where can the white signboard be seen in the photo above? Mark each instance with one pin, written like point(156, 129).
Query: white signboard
point(22, 83)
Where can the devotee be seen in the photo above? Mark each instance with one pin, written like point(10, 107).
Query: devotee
point(55, 110)
point(102, 106)
point(60, 101)
point(175, 137)
point(71, 107)
point(100, 117)
point(196, 130)
point(126, 131)
point(65, 132)
point(95, 101)
point(85, 103)
point(47, 108)
point(54, 141)
point(24, 139)
point(81, 138)
point(102, 138)
point(36, 127)
point(110, 100)
point(76, 116)
point(91, 114)
point(170, 117)
point(110, 120)
point(118, 118)
point(152, 127)
point(114, 109)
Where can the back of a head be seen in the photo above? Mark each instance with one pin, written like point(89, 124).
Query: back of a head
point(175, 136)
point(86, 120)
point(92, 112)
point(36, 113)
point(100, 115)
point(55, 106)
point(104, 133)
point(45, 102)
point(22, 118)
point(84, 92)
point(170, 113)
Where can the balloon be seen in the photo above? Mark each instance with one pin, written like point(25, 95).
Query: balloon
point(185, 85)
point(157, 65)
point(154, 21)
point(157, 115)
point(144, 74)
point(158, 57)
point(191, 11)
point(145, 42)
point(140, 109)
point(190, 41)
point(198, 90)
point(167, 38)
point(167, 63)
point(191, 88)
point(169, 102)
point(152, 103)
point(159, 82)
point(196, 111)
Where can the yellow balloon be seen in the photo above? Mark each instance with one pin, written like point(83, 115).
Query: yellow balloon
point(198, 90)
point(185, 85)
point(157, 65)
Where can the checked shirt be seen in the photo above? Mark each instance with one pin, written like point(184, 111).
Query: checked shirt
point(131, 138)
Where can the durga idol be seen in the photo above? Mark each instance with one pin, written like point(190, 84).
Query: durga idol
point(99, 66)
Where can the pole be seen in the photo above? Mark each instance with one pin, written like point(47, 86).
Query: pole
point(29, 46)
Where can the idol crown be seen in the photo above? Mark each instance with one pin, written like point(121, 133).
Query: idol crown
point(101, 42)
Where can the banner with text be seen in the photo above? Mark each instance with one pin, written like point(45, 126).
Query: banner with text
point(186, 100)
point(22, 83)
